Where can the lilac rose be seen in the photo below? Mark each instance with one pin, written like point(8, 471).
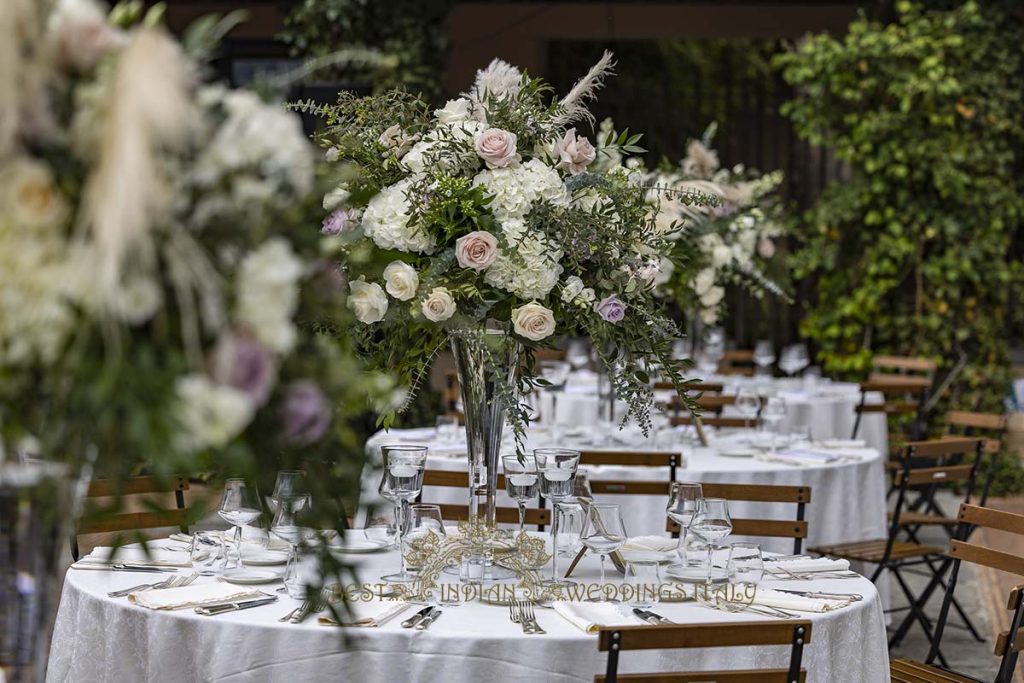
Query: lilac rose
point(611, 309)
point(241, 362)
point(497, 148)
point(339, 221)
point(305, 413)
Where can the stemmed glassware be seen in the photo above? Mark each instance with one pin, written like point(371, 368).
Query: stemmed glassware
point(764, 356)
point(603, 532)
point(794, 359)
point(712, 523)
point(578, 354)
point(683, 503)
point(556, 372)
point(773, 414)
point(286, 526)
point(748, 404)
point(239, 505)
point(403, 475)
point(521, 482)
point(557, 470)
point(290, 484)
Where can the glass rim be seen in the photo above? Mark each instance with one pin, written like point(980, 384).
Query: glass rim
point(424, 506)
point(408, 447)
point(554, 450)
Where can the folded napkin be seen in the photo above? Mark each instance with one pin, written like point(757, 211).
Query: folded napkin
point(650, 544)
point(797, 603)
point(818, 564)
point(100, 558)
point(368, 614)
point(193, 596)
point(591, 616)
point(801, 458)
point(844, 443)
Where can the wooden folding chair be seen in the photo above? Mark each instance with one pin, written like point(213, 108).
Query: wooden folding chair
point(670, 459)
point(897, 555)
point(950, 450)
point(445, 478)
point(719, 422)
point(99, 519)
point(1010, 642)
point(737, 362)
point(795, 634)
point(991, 426)
point(901, 396)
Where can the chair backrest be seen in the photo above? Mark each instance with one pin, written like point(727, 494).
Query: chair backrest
point(716, 421)
point(901, 395)
point(670, 459)
point(990, 425)
point(1009, 643)
point(715, 404)
point(904, 365)
point(694, 387)
point(737, 362)
point(549, 354)
point(796, 634)
point(455, 479)
point(99, 519)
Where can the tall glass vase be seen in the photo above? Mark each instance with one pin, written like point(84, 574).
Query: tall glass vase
point(38, 502)
point(486, 361)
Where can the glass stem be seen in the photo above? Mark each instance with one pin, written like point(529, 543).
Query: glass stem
point(682, 542)
point(238, 545)
point(401, 537)
point(711, 548)
point(602, 573)
point(554, 542)
point(522, 516)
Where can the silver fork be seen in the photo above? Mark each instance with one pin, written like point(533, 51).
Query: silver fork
point(295, 611)
point(172, 582)
point(527, 609)
point(518, 616)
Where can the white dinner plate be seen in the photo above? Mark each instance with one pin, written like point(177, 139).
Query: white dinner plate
point(265, 558)
point(738, 453)
point(250, 576)
point(696, 574)
point(359, 546)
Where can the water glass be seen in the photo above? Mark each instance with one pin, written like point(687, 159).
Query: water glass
point(644, 580)
point(578, 354)
point(773, 414)
point(381, 528)
point(604, 532)
point(684, 500)
point(748, 404)
point(521, 482)
point(764, 356)
point(711, 524)
point(746, 563)
point(239, 505)
point(570, 524)
point(403, 483)
point(290, 484)
point(446, 428)
point(206, 549)
point(557, 470)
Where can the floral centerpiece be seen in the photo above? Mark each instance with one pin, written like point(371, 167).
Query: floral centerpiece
point(491, 214)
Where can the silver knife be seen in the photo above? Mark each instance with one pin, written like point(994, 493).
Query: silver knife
point(428, 620)
point(124, 567)
point(221, 608)
point(650, 617)
point(416, 618)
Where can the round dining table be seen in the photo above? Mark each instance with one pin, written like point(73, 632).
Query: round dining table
point(110, 640)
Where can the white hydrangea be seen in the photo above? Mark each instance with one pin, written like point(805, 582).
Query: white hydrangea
point(533, 271)
point(268, 293)
point(516, 189)
point(210, 415)
point(386, 220)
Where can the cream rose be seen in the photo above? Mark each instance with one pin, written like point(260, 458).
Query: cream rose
point(439, 305)
point(574, 153)
point(455, 111)
point(395, 139)
point(533, 321)
point(572, 288)
point(477, 250)
point(401, 280)
point(497, 148)
point(367, 300)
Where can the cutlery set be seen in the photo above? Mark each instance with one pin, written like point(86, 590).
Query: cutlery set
point(173, 582)
point(222, 607)
point(422, 620)
point(652, 617)
point(521, 612)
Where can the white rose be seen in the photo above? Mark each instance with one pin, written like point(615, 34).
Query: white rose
point(401, 280)
point(721, 255)
point(454, 111)
point(439, 305)
point(396, 140)
point(572, 288)
point(712, 297)
point(368, 300)
point(335, 198)
point(704, 281)
point(533, 321)
point(587, 297)
point(210, 415)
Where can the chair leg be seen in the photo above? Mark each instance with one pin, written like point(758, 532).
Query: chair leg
point(926, 594)
point(916, 610)
point(967, 624)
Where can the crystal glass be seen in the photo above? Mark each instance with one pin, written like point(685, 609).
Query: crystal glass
point(578, 354)
point(794, 359)
point(747, 403)
point(570, 524)
point(287, 526)
point(644, 578)
point(204, 552)
point(382, 528)
point(603, 532)
point(746, 563)
point(446, 428)
point(557, 469)
point(773, 414)
point(764, 356)
point(681, 349)
point(521, 482)
point(683, 503)
point(424, 520)
point(403, 474)
point(556, 372)
point(289, 484)
point(239, 505)
point(711, 524)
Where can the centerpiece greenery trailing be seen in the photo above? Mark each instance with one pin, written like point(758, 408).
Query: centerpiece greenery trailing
point(917, 252)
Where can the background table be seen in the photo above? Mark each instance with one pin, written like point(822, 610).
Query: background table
point(104, 640)
point(847, 499)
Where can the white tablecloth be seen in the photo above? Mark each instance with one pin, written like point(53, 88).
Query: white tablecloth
point(826, 408)
point(847, 498)
point(104, 640)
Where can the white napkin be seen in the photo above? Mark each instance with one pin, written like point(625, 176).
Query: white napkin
point(193, 596)
point(844, 443)
point(100, 558)
point(797, 603)
point(591, 616)
point(368, 614)
point(657, 544)
point(818, 564)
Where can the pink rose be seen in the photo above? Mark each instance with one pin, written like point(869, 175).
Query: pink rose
point(574, 153)
point(477, 250)
point(497, 148)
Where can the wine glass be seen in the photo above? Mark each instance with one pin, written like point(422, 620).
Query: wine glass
point(603, 532)
point(578, 354)
point(239, 505)
point(746, 563)
point(681, 349)
point(711, 524)
point(290, 484)
point(764, 356)
point(285, 525)
point(556, 372)
point(381, 528)
point(557, 470)
point(403, 472)
point(773, 414)
point(520, 482)
point(794, 359)
point(748, 404)
point(683, 502)
point(446, 428)
point(644, 577)
point(425, 521)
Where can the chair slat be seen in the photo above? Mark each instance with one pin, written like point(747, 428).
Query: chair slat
point(940, 448)
point(643, 488)
point(991, 519)
point(713, 421)
point(695, 387)
point(963, 418)
point(908, 363)
point(445, 478)
point(771, 528)
point(893, 385)
point(722, 634)
point(104, 488)
point(1003, 642)
point(639, 458)
point(133, 520)
point(758, 493)
point(534, 516)
point(935, 475)
point(986, 556)
point(734, 676)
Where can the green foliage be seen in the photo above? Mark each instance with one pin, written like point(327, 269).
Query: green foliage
point(411, 30)
point(914, 251)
